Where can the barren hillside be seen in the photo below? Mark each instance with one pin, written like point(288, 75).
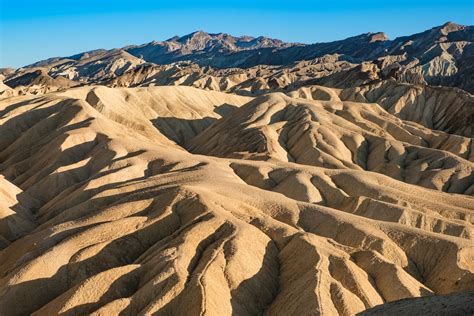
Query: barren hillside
point(106, 211)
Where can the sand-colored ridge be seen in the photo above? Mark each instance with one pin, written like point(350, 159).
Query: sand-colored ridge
point(340, 135)
point(440, 108)
point(271, 205)
point(179, 113)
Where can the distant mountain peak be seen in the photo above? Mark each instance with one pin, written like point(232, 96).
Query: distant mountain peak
point(379, 36)
point(452, 24)
point(173, 39)
point(449, 27)
point(247, 38)
point(369, 37)
point(194, 35)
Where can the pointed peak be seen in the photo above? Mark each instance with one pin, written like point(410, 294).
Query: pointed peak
point(451, 24)
point(369, 37)
point(378, 37)
point(246, 38)
point(197, 34)
point(194, 35)
point(173, 39)
point(449, 27)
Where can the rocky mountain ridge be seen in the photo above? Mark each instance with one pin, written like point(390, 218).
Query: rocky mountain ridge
point(442, 55)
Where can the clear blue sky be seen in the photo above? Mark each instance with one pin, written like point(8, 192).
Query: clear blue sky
point(31, 30)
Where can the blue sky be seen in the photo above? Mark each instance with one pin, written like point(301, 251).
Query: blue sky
point(31, 30)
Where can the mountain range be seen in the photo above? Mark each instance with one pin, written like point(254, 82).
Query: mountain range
point(442, 55)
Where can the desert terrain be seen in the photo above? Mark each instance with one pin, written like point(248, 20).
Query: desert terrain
point(217, 175)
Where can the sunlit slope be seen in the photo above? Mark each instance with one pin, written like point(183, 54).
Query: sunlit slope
point(341, 135)
point(123, 219)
